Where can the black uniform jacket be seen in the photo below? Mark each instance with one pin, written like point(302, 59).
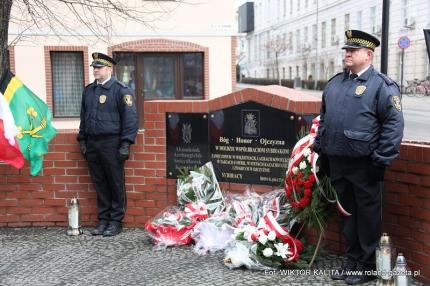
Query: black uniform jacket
point(108, 109)
point(361, 118)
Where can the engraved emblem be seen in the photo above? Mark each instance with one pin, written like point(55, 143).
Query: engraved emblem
point(359, 90)
point(102, 98)
point(186, 133)
point(349, 34)
point(250, 123)
point(128, 100)
point(397, 103)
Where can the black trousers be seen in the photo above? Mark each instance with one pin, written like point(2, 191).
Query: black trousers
point(360, 194)
point(107, 174)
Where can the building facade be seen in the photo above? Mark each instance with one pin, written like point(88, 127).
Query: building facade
point(179, 50)
point(295, 38)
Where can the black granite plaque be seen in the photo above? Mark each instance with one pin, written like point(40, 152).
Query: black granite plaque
point(251, 143)
point(187, 141)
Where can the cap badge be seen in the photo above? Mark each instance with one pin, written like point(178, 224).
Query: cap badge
point(349, 34)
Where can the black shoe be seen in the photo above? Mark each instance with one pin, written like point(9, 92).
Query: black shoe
point(99, 229)
point(361, 276)
point(341, 273)
point(112, 230)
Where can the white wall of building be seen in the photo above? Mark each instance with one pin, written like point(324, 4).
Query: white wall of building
point(290, 19)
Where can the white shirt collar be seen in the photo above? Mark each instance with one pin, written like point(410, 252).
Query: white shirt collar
point(104, 81)
point(362, 71)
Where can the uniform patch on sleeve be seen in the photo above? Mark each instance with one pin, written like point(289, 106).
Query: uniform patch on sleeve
point(396, 102)
point(128, 99)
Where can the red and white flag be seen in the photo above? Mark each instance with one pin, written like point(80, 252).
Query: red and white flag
point(9, 147)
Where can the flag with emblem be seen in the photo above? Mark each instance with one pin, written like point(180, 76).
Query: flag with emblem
point(32, 119)
point(10, 152)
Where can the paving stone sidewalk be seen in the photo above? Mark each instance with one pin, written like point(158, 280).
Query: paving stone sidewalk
point(47, 256)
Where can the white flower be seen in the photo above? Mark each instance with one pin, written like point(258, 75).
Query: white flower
point(272, 235)
point(295, 170)
point(262, 239)
point(302, 165)
point(282, 250)
point(307, 152)
point(267, 252)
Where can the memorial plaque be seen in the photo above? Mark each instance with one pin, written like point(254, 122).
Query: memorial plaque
point(251, 143)
point(187, 141)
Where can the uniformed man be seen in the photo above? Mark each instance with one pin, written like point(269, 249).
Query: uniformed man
point(108, 128)
point(360, 132)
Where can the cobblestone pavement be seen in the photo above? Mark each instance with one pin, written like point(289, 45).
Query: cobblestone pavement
point(47, 256)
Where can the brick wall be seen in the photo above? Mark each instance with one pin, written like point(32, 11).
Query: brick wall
point(11, 51)
point(40, 201)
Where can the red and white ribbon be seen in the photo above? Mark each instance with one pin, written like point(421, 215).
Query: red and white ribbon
point(196, 211)
point(297, 155)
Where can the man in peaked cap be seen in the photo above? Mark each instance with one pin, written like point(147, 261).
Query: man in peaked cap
point(108, 127)
point(360, 132)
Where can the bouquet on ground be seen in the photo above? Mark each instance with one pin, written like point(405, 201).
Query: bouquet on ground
point(268, 246)
point(210, 237)
point(200, 185)
point(243, 208)
point(249, 207)
point(173, 226)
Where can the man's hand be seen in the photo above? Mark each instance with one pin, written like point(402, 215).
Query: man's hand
point(83, 147)
point(124, 151)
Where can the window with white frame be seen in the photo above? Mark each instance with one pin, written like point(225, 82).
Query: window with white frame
point(285, 8)
point(298, 40)
point(346, 18)
point(305, 35)
point(372, 18)
point(323, 34)
point(314, 36)
point(249, 49)
point(290, 41)
point(359, 19)
point(404, 12)
point(333, 32)
point(278, 9)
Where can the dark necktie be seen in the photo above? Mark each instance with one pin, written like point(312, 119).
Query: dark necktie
point(353, 76)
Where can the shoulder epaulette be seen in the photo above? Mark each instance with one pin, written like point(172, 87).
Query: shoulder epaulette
point(339, 73)
point(88, 85)
point(121, 83)
point(388, 80)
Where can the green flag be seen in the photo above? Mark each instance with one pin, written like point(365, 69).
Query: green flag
point(32, 118)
